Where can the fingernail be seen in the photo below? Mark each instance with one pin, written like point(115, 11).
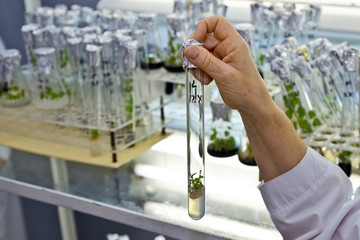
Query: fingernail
point(192, 53)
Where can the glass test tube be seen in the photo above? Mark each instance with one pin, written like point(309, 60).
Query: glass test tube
point(195, 145)
point(195, 139)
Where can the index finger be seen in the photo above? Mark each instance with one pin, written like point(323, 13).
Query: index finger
point(216, 25)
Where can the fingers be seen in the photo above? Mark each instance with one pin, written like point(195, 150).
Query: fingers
point(204, 60)
point(217, 25)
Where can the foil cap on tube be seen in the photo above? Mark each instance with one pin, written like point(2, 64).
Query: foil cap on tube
point(323, 63)
point(75, 46)
point(351, 60)
point(279, 67)
point(45, 59)
point(301, 66)
point(186, 43)
point(93, 55)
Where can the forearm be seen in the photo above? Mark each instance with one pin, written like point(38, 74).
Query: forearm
point(276, 146)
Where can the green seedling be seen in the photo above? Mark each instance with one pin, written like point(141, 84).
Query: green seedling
point(94, 134)
point(14, 93)
point(228, 142)
point(196, 182)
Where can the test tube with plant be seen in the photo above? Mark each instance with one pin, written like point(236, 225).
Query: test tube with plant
point(327, 70)
point(350, 114)
point(129, 68)
point(79, 71)
point(14, 90)
point(316, 99)
point(195, 137)
point(26, 31)
point(303, 120)
point(112, 96)
point(96, 101)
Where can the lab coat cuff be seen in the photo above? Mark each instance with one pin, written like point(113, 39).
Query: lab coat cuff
point(295, 183)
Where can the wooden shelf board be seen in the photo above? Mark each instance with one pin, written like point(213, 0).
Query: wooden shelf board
point(78, 154)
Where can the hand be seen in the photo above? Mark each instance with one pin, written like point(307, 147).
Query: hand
point(226, 59)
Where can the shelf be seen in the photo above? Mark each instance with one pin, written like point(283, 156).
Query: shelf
point(75, 153)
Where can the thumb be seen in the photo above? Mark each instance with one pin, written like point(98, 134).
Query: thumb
point(206, 61)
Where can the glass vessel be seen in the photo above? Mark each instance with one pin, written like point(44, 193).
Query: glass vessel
point(79, 72)
point(111, 87)
point(245, 153)
point(319, 106)
point(26, 31)
point(222, 141)
point(176, 31)
point(326, 68)
point(195, 138)
point(50, 92)
point(143, 83)
point(129, 91)
point(155, 55)
point(350, 111)
point(94, 85)
point(296, 107)
point(14, 90)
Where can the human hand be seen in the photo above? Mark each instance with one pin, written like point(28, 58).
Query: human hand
point(225, 58)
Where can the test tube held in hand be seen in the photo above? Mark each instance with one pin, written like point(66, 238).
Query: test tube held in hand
point(195, 138)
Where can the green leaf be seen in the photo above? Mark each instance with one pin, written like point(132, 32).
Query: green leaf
point(312, 114)
point(262, 59)
point(316, 122)
point(295, 124)
point(289, 113)
point(301, 112)
point(288, 88)
point(305, 125)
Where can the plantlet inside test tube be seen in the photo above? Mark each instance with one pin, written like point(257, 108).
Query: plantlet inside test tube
point(196, 197)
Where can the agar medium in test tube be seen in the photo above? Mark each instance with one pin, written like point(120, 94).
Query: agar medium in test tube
point(195, 138)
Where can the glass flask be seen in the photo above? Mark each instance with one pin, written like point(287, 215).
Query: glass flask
point(176, 31)
point(14, 90)
point(247, 31)
point(245, 153)
point(155, 55)
point(222, 142)
point(195, 138)
point(49, 90)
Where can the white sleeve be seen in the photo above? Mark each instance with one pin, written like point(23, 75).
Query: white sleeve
point(313, 201)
